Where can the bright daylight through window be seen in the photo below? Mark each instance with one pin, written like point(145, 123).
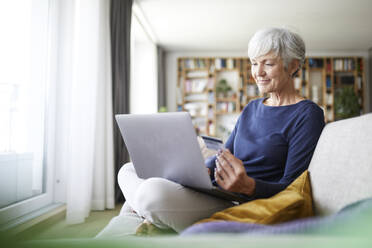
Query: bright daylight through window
point(23, 77)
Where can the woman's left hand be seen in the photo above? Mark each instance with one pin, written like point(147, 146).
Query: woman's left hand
point(230, 174)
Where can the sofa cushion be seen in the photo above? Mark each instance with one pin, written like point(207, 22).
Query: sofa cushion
point(341, 167)
point(292, 203)
point(354, 221)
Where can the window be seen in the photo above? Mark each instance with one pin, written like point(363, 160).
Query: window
point(144, 88)
point(24, 26)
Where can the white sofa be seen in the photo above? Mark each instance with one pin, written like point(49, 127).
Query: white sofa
point(340, 173)
point(341, 167)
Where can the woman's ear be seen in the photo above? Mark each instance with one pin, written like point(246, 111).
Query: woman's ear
point(294, 67)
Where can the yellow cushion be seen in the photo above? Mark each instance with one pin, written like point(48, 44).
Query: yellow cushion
point(294, 202)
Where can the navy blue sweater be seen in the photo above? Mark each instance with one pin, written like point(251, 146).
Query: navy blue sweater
point(275, 143)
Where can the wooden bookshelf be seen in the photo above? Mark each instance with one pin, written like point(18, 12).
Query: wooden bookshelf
point(192, 89)
point(336, 73)
point(198, 78)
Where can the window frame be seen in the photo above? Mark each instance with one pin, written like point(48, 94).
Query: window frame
point(27, 206)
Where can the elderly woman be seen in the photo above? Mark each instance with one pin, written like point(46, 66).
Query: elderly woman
point(275, 137)
point(271, 144)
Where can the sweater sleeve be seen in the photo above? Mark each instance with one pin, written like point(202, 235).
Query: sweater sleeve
point(301, 145)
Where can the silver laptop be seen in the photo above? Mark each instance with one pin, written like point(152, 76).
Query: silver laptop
point(165, 145)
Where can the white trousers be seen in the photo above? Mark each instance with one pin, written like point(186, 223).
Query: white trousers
point(164, 203)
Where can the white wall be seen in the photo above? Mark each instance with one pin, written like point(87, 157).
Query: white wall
point(144, 85)
point(171, 70)
point(144, 77)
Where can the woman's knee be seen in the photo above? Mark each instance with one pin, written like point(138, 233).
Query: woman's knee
point(153, 195)
point(125, 176)
point(124, 171)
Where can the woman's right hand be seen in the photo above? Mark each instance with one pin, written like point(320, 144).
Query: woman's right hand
point(230, 174)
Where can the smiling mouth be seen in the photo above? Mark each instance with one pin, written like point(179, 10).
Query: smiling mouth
point(263, 81)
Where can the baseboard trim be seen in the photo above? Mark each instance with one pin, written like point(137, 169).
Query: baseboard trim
point(23, 223)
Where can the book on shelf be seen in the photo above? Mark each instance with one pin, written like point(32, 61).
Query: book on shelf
point(241, 82)
point(344, 64)
point(212, 128)
point(329, 66)
point(241, 67)
point(223, 63)
point(196, 109)
point(315, 63)
point(197, 74)
point(303, 73)
point(230, 63)
point(359, 66)
point(304, 90)
point(196, 97)
point(217, 64)
point(328, 82)
point(211, 97)
point(329, 99)
point(242, 98)
point(210, 113)
point(220, 63)
point(178, 95)
point(189, 64)
point(195, 85)
point(212, 67)
point(338, 64)
point(195, 64)
point(329, 115)
point(210, 83)
point(359, 82)
point(200, 63)
point(226, 107)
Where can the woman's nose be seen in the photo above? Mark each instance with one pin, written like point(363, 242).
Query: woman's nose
point(260, 70)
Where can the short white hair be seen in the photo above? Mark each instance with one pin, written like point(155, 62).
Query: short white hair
point(284, 43)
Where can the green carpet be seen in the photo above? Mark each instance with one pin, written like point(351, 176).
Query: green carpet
point(57, 228)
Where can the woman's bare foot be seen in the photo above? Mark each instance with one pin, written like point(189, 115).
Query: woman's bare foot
point(149, 229)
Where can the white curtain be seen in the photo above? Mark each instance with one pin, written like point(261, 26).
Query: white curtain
point(84, 135)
